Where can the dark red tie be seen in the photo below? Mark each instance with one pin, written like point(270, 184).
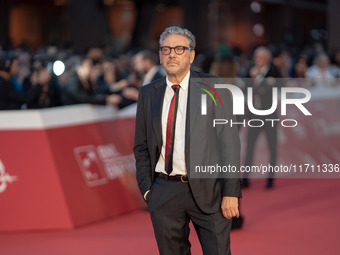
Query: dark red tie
point(170, 130)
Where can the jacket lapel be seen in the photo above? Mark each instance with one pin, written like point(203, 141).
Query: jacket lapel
point(194, 97)
point(156, 111)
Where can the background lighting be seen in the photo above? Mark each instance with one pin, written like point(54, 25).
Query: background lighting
point(58, 68)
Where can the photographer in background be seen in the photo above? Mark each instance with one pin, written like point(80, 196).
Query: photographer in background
point(42, 74)
point(10, 98)
point(81, 87)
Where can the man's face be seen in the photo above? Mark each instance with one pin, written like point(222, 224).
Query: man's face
point(323, 62)
point(261, 58)
point(176, 64)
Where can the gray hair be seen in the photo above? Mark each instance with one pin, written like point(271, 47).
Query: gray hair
point(178, 31)
point(318, 57)
point(265, 49)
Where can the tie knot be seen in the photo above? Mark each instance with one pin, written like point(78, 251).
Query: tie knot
point(176, 88)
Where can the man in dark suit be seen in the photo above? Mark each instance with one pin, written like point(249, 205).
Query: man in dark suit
point(262, 73)
point(168, 152)
point(146, 64)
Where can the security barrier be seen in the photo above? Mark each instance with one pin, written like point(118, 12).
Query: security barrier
point(65, 167)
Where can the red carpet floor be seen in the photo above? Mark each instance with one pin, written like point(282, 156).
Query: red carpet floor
point(297, 217)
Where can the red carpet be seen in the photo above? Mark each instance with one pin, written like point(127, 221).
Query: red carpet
point(297, 217)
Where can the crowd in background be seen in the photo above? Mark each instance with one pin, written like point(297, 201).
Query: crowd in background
point(102, 78)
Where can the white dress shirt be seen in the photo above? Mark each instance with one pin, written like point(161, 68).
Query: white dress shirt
point(179, 140)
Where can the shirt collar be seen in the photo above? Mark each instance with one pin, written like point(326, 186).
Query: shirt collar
point(184, 83)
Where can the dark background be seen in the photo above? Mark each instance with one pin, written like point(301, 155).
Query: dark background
point(122, 24)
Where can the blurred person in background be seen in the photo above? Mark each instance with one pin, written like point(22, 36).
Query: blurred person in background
point(300, 69)
point(124, 65)
point(132, 82)
point(145, 70)
point(23, 70)
point(130, 92)
point(146, 64)
point(109, 81)
point(70, 62)
point(14, 76)
point(335, 64)
point(282, 61)
point(24, 66)
point(33, 78)
point(321, 73)
point(262, 73)
point(81, 89)
point(108, 76)
point(336, 59)
point(300, 74)
point(10, 97)
point(226, 67)
point(42, 75)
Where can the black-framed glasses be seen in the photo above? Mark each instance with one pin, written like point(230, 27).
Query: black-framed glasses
point(179, 50)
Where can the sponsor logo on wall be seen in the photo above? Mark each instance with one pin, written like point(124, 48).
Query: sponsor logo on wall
point(5, 178)
point(102, 163)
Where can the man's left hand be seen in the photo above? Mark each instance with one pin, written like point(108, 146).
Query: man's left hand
point(229, 207)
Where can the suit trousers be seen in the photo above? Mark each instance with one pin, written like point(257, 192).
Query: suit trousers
point(172, 207)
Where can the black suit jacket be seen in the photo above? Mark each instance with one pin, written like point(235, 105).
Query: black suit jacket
point(204, 145)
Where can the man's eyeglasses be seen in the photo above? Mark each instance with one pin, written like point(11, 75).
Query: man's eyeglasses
point(179, 50)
